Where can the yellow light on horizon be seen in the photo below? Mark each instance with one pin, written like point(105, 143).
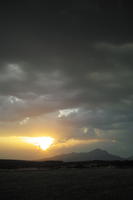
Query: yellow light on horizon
point(41, 142)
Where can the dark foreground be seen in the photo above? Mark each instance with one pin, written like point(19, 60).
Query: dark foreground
point(67, 183)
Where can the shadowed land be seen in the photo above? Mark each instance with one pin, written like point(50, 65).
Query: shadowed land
point(63, 183)
point(38, 165)
point(56, 179)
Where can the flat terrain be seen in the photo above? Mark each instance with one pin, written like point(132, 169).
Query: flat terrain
point(82, 184)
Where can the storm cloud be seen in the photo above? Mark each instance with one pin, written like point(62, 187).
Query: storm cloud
point(68, 66)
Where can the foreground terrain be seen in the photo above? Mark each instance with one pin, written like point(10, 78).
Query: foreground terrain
point(66, 183)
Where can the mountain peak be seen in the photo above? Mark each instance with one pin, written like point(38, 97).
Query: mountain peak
point(98, 150)
point(96, 154)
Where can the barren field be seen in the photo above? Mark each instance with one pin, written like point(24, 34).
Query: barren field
point(82, 184)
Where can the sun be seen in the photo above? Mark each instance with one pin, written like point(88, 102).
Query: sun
point(42, 142)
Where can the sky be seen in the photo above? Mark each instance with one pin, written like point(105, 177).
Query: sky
point(66, 72)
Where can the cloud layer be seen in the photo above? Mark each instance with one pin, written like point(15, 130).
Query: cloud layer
point(68, 71)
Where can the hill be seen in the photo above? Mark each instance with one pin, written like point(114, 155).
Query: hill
point(96, 154)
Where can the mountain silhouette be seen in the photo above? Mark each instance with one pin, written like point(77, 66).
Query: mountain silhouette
point(97, 154)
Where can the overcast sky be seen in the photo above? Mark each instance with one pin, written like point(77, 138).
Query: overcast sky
point(66, 71)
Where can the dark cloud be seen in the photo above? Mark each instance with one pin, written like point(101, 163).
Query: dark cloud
point(57, 57)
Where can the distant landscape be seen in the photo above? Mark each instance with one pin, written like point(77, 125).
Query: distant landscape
point(96, 154)
point(93, 175)
point(95, 158)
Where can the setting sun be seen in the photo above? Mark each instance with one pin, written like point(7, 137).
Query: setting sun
point(41, 142)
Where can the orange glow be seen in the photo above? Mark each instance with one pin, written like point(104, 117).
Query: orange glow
point(41, 142)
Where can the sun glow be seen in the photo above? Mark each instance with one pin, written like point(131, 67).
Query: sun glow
point(41, 142)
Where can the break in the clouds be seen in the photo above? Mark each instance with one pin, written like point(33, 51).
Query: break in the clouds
point(66, 68)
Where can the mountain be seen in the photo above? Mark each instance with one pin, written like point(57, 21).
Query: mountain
point(96, 154)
